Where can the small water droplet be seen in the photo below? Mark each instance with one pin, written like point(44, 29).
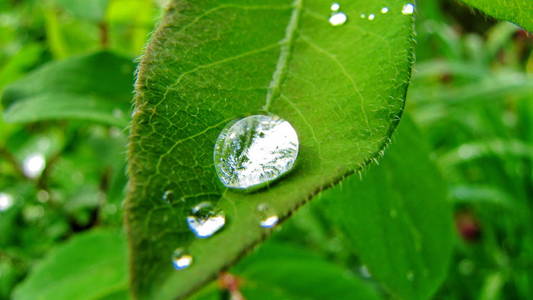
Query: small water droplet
point(33, 165)
point(335, 7)
point(255, 151)
point(269, 218)
point(371, 17)
point(408, 9)
point(384, 10)
point(168, 196)
point(363, 16)
point(181, 259)
point(6, 201)
point(338, 19)
point(205, 220)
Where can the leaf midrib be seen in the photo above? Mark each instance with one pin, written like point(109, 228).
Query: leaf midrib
point(285, 53)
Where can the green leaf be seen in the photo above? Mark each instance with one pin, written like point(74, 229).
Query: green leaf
point(275, 266)
point(212, 62)
point(15, 67)
point(92, 10)
point(96, 87)
point(397, 217)
point(516, 11)
point(270, 273)
point(90, 266)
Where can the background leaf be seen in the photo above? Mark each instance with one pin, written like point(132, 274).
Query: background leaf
point(91, 266)
point(516, 11)
point(95, 87)
point(92, 10)
point(211, 62)
point(397, 217)
point(300, 274)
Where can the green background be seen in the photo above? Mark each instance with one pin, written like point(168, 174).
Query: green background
point(446, 214)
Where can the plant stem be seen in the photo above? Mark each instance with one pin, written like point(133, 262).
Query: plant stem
point(10, 158)
point(104, 34)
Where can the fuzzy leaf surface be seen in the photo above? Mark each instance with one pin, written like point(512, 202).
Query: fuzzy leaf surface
point(516, 11)
point(212, 62)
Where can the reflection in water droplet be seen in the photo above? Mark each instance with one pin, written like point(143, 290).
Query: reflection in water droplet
point(384, 10)
point(33, 165)
point(6, 201)
point(255, 151)
point(168, 196)
point(335, 7)
point(181, 259)
point(371, 17)
point(205, 221)
point(338, 19)
point(269, 222)
point(408, 9)
point(269, 218)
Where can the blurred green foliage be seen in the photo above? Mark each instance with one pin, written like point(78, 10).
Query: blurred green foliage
point(62, 178)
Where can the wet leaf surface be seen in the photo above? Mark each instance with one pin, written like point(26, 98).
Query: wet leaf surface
point(212, 62)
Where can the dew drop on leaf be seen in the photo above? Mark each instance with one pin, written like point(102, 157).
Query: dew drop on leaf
point(338, 19)
point(205, 220)
point(168, 196)
point(181, 259)
point(384, 10)
point(371, 17)
point(408, 9)
point(255, 151)
point(269, 218)
point(335, 7)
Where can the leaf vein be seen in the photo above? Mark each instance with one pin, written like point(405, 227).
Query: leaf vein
point(285, 51)
point(344, 72)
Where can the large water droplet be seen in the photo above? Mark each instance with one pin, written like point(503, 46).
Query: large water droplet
point(34, 165)
point(269, 218)
point(205, 220)
point(6, 201)
point(255, 151)
point(338, 19)
point(181, 259)
point(408, 9)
